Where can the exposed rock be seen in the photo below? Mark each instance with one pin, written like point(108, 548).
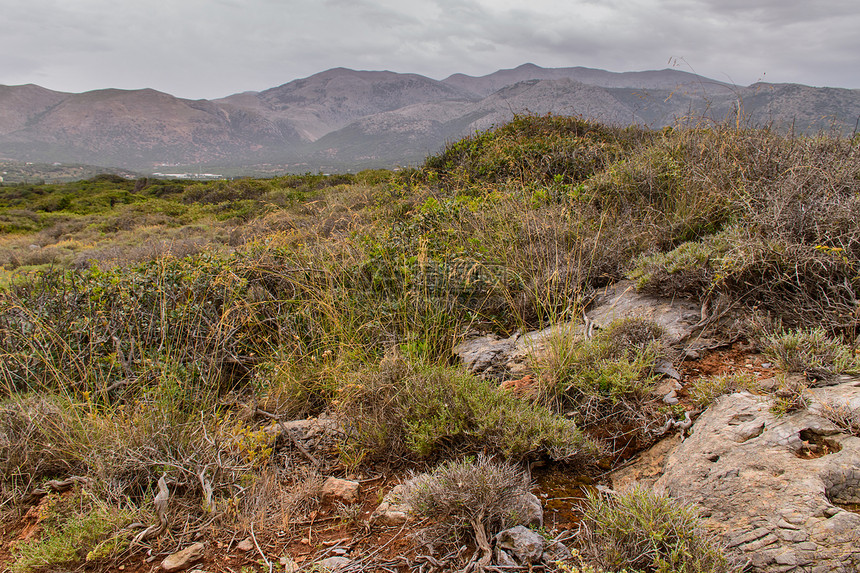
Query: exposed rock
point(342, 490)
point(183, 559)
point(334, 563)
point(533, 509)
point(522, 543)
point(772, 486)
point(393, 510)
point(648, 466)
point(246, 544)
point(680, 319)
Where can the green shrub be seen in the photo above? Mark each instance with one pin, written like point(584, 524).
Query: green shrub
point(75, 528)
point(650, 532)
point(418, 411)
point(606, 375)
point(811, 351)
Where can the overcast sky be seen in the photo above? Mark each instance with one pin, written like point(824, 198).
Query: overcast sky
point(213, 48)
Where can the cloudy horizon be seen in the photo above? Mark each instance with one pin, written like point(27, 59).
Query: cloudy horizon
point(214, 48)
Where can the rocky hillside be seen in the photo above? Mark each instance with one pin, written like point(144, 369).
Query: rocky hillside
point(343, 119)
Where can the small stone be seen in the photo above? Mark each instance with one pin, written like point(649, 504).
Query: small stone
point(670, 398)
point(288, 564)
point(534, 510)
point(691, 354)
point(246, 544)
point(183, 559)
point(766, 365)
point(334, 563)
point(342, 490)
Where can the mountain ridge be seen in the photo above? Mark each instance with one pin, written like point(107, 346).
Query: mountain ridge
point(344, 119)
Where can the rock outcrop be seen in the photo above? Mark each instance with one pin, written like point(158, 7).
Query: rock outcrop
point(507, 358)
point(782, 491)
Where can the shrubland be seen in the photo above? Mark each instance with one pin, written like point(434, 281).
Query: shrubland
point(145, 325)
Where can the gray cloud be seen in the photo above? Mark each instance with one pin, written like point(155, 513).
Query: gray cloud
point(211, 48)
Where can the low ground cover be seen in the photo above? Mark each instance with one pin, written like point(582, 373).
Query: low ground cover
point(156, 328)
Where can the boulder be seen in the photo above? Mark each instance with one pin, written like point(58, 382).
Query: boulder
point(781, 491)
point(183, 559)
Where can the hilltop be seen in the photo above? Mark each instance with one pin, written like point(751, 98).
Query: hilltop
point(270, 373)
point(345, 120)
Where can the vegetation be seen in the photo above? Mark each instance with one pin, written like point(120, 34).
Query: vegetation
point(473, 497)
point(650, 532)
point(703, 391)
point(155, 328)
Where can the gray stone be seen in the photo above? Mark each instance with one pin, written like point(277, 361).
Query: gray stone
point(334, 563)
point(533, 510)
point(522, 543)
point(499, 357)
point(761, 470)
point(183, 559)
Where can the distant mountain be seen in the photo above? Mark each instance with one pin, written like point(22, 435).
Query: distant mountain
point(345, 119)
point(662, 79)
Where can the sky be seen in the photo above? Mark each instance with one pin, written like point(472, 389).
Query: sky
point(214, 48)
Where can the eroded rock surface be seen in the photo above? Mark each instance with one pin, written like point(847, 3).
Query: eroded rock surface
point(499, 357)
point(780, 490)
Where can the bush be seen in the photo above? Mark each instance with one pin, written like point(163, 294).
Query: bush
point(649, 532)
point(420, 411)
point(811, 351)
point(75, 528)
point(462, 497)
point(608, 375)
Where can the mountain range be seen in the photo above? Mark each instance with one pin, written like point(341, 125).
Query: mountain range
point(343, 119)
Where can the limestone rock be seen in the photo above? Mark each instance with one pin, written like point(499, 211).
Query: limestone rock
point(778, 489)
point(345, 491)
point(505, 358)
point(533, 510)
point(522, 543)
point(183, 559)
